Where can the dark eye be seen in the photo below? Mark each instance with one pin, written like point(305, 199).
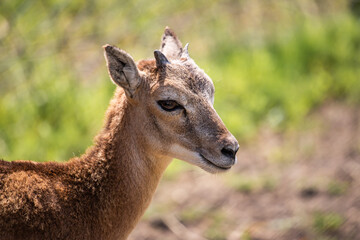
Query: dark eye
point(169, 105)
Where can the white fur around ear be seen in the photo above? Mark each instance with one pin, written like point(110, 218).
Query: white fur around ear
point(170, 45)
point(122, 69)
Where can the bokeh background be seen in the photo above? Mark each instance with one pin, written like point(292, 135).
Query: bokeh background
point(287, 78)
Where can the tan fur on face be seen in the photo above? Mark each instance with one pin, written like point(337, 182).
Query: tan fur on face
point(198, 129)
point(103, 193)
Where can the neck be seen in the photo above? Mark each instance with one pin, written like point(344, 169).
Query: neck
point(130, 170)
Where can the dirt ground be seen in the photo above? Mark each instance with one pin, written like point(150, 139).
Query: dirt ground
point(302, 184)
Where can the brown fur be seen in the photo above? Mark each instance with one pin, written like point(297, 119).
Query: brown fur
point(103, 193)
point(83, 198)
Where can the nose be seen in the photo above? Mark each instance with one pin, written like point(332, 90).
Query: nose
point(230, 150)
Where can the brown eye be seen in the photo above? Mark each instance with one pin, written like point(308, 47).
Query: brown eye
point(169, 105)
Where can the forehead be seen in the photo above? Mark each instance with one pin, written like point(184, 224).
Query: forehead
point(190, 77)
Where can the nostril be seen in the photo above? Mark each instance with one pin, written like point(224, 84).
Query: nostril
point(228, 152)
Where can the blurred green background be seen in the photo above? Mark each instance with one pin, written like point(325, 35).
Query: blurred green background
point(272, 62)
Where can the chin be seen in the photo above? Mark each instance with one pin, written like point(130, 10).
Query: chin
point(211, 168)
point(196, 159)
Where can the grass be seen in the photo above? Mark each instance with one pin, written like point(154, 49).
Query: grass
point(216, 229)
point(282, 156)
point(272, 62)
point(337, 188)
point(249, 184)
point(193, 214)
point(241, 183)
point(327, 222)
point(173, 170)
point(55, 89)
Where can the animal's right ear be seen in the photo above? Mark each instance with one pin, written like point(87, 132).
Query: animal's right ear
point(122, 69)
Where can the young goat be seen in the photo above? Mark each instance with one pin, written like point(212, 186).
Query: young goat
point(162, 109)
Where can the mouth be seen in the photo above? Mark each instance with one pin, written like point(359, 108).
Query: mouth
point(211, 164)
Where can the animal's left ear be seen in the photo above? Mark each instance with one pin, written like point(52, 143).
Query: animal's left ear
point(122, 69)
point(170, 44)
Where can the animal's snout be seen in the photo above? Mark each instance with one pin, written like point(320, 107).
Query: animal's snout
point(230, 149)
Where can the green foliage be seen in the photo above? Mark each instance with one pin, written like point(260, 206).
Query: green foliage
point(249, 184)
point(270, 64)
point(327, 222)
point(283, 79)
point(193, 214)
point(242, 185)
point(216, 231)
point(175, 167)
point(246, 236)
point(337, 188)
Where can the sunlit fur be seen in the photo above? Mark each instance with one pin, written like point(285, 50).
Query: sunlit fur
point(103, 193)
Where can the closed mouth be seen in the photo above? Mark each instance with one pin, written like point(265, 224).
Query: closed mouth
point(208, 162)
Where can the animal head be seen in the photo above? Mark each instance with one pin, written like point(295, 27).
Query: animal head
point(173, 98)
